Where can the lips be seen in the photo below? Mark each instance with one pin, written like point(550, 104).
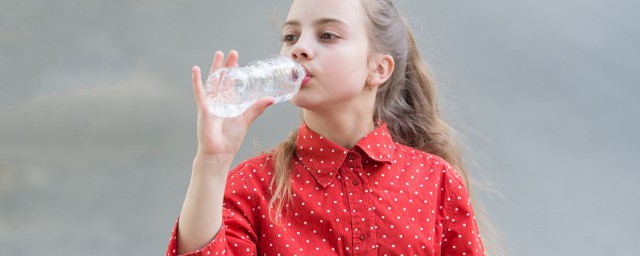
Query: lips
point(305, 80)
point(307, 77)
point(306, 71)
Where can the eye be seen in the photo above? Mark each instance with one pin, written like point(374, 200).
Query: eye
point(289, 38)
point(327, 36)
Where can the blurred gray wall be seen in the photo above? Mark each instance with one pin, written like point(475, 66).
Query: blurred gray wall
point(97, 121)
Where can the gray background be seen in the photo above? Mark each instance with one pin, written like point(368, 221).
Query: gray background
point(97, 121)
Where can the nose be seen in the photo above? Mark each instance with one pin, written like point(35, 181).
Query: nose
point(302, 51)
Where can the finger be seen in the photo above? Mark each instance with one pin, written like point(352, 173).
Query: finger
point(257, 109)
point(217, 61)
point(232, 59)
point(198, 90)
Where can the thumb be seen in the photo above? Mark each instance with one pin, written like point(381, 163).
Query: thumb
point(258, 108)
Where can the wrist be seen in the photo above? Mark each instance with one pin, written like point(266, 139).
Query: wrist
point(214, 158)
point(214, 166)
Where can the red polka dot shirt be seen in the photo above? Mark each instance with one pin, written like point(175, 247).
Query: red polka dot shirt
point(377, 198)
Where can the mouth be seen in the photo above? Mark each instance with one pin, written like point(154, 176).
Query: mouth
point(306, 72)
point(307, 76)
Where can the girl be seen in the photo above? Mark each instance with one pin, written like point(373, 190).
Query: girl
point(372, 170)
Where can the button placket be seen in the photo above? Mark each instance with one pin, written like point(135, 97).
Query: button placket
point(361, 219)
point(355, 166)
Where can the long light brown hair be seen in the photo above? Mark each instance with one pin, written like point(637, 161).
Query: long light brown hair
point(409, 92)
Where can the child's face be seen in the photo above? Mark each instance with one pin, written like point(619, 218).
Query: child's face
point(329, 38)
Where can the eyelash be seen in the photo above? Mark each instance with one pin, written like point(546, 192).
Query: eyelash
point(286, 37)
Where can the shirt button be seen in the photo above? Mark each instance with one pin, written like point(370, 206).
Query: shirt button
point(363, 236)
point(355, 182)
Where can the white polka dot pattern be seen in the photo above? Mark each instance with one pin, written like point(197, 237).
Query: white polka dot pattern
point(379, 198)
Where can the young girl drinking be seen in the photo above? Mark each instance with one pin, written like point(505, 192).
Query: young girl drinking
point(371, 170)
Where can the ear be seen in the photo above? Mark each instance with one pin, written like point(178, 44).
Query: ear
point(381, 69)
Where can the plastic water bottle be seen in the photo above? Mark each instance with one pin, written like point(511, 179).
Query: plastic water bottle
point(230, 91)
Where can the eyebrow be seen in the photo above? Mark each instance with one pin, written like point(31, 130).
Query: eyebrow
point(318, 22)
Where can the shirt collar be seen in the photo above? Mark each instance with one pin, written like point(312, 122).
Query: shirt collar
point(322, 157)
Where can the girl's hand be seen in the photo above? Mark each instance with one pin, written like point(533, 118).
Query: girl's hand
point(222, 137)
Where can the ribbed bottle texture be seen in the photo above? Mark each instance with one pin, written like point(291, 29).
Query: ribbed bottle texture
point(230, 91)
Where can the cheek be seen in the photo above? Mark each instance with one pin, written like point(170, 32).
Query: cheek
point(346, 73)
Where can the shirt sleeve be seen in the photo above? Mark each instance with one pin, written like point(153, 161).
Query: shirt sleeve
point(460, 234)
point(237, 235)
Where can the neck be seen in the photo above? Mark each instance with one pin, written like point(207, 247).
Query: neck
point(342, 128)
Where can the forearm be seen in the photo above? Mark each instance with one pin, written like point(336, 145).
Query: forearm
point(201, 215)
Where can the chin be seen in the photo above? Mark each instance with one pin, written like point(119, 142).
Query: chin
point(299, 100)
point(302, 100)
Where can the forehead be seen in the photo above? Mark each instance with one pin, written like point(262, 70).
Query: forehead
point(307, 12)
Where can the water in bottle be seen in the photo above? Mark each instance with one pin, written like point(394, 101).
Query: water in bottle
point(230, 91)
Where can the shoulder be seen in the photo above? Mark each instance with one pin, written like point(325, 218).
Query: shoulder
point(257, 164)
point(429, 162)
point(254, 172)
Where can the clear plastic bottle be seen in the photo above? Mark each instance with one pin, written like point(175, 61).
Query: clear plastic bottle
point(230, 91)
